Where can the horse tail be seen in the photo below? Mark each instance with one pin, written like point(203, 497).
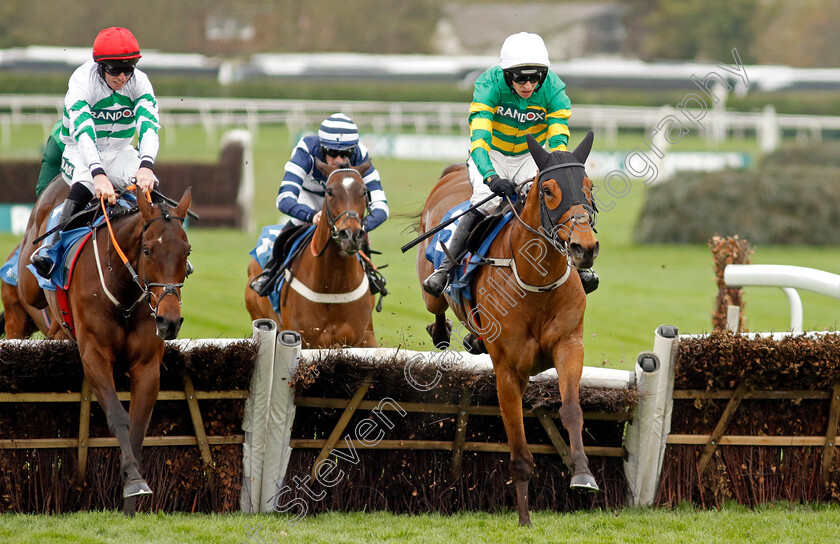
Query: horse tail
point(411, 220)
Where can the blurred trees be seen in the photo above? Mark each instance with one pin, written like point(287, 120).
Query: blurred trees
point(372, 26)
point(705, 31)
point(801, 33)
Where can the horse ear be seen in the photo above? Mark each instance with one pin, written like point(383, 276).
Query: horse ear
point(184, 204)
point(322, 166)
point(144, 205)
point(540, 155)
point(581, 152)
point(362, 168)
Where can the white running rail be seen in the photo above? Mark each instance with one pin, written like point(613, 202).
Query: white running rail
point(789, 279)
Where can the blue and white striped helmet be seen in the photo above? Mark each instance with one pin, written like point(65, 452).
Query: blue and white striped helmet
point(338, 132)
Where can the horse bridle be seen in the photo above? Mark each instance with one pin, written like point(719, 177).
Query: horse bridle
point(571, 195)
point(146, 293)
point(351, 214)
point(168, 288)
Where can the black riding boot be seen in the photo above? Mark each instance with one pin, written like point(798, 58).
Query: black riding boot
point(40, 259)
point(263, 282)
point(439, 279)
point(589, 279)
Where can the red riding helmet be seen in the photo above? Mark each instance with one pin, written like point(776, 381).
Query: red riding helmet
point(116, 44)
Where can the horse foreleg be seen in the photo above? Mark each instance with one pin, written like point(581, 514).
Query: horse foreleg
point(102, 384)
point(18, 323)
point(145, 385)
point(510, 388)
point(369, 340)
point(569, 365)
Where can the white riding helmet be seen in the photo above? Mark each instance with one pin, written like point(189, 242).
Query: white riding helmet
point(524, 49)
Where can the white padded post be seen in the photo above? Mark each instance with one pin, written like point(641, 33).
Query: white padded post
point(256, 417)
point(281, 416)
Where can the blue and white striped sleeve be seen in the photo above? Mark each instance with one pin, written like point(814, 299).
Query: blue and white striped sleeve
point(379, 210)
point(297, 169)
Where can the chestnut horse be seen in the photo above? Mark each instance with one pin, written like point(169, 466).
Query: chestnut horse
point(527, 313)
point(119, 315)
point(21, 320)
point(326, 297)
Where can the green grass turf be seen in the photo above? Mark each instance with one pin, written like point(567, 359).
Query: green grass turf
point(772, 523)
point(641, 288)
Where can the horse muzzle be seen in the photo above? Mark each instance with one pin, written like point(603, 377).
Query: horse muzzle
point(168, 329)
point(582, 256)
point(350, 240)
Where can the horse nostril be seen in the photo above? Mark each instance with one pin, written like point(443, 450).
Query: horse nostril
point(359, 235)
point(344, 235)
point(166, 329)
point(576, 250)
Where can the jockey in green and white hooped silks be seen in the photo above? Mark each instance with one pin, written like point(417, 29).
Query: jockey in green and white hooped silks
point(108, 101)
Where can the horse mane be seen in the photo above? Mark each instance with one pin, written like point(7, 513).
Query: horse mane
point(123, 212)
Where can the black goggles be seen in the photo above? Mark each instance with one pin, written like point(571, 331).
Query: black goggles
point(343, 153)
point(527, 76)
point(115, 70)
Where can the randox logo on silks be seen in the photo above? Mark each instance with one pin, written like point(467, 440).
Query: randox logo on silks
point(529, 116)
point(112, 115)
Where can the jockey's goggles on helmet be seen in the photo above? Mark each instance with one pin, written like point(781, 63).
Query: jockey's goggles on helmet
point(526, 75)
point(117, 69)
point(343, 153)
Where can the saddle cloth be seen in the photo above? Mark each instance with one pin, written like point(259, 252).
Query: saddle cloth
point(9, 274)
point(459, 287)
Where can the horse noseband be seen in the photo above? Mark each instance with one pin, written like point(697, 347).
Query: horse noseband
point(351, 214)
point(168, 289)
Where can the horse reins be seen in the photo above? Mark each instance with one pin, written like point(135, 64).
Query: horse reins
point(146, 293)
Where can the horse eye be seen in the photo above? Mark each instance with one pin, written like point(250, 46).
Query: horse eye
point(146, 251)
point(547, 192)
point(329, 192)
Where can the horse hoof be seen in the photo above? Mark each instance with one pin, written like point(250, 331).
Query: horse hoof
point(473, 344)
point(584, 482)
point(136, 488)
point(439, 339)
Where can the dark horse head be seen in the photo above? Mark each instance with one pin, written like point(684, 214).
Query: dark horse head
point(163, 261)
point(345, 204)
point(566, 209)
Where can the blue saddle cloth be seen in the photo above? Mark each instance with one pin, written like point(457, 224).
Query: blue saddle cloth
point(8, 272)
point(265, 248)
point(459, 287)
point(60, 252)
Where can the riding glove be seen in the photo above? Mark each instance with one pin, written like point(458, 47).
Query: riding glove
point(502, 187)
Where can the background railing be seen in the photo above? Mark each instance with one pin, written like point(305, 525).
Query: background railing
point(426, 117)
